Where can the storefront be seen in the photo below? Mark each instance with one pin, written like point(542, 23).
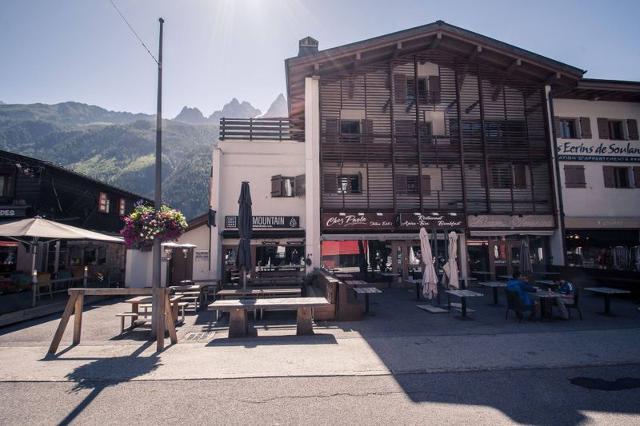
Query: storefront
point(277, 247)
point(387, 242)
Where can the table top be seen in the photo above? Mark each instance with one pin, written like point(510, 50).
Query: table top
point(288, 302)
point(148, 299)
point(464, 293)
point(500, 284)
point(546, 294)
point(505, 277)
point(545, 282)
point(367, 290)
point(607, 290)
point(356, 282)
point(259, 291)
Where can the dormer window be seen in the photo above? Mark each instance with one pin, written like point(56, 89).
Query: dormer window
point(103, 203)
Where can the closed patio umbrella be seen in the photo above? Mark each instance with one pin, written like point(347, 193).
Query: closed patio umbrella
point(525, 257)
point(245, 229)
point(36, 229)
point(429, 278)
point(451, 267)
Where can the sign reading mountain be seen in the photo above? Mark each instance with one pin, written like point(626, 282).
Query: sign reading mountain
point(265, 222)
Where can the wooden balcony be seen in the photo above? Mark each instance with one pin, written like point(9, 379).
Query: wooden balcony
point(254, 129)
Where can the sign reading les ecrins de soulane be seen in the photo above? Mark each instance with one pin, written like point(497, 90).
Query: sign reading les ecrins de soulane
point(620, 151)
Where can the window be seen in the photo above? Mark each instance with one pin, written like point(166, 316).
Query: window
point(574, 177)
point(283, 186)
point(123, 207)
point(616, 177)
point(103, 203)
point(349, 184)
point(412, 184)
point(6, 186)
point(507, 176)
point(568, 128)
point(616, 130)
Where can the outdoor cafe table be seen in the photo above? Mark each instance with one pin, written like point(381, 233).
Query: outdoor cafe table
point(390, 276)
point(258, 293)
point(142, 300)
point(462, 294)
point(494, 285)
point(607, 292)
point(357, 283)
point(546, 283)
point(366, 291)
point(504, 277)
point(544, 296)
point(200, 288)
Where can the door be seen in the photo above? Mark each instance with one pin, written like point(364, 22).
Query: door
point(181, 266)
point(504, 256)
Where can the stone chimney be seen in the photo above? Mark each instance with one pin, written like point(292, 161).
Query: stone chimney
point(307, 46)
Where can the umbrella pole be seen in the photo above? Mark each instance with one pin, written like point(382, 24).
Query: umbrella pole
point(34, 272)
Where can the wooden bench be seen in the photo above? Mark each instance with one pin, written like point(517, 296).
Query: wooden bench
point(367, 291)
point(123, 315)
point(147, 307)
point(237, 308)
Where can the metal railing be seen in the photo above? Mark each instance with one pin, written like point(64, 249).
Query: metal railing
point(255, 128)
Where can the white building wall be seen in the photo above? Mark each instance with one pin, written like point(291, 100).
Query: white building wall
point(235, 161)
point(595, 200)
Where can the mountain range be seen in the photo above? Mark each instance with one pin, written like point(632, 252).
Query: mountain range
point(118, 147)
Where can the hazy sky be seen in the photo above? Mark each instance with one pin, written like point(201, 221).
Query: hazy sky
point(57, 50)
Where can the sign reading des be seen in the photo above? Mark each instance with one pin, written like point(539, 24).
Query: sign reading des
point(265, 222)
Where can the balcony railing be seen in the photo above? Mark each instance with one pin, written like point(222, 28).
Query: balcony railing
point(255, 128)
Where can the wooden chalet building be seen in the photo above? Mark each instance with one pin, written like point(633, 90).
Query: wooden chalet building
point(434, 126)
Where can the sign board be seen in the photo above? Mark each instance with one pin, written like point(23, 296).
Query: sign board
point(201, 255)
point(391, 221)
point(346, 221)
point(12, 211)
point(611, 151)
point(438, 221)
point(265, 222)
point(510, 221)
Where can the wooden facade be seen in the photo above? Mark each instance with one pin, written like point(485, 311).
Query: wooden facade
point(464, 139)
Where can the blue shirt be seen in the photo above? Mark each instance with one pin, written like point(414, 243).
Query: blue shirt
point(523, 289)
point(567, 288)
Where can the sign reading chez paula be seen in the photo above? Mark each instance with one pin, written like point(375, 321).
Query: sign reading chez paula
point(390, 221)
point(618, 151)
point(265, 222)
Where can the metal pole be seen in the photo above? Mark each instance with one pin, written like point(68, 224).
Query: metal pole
point(157, 319)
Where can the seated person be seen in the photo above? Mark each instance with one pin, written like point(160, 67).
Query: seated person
point(523, 288)
point(568, 292)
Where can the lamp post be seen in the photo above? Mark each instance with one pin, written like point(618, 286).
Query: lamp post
point(157, 319)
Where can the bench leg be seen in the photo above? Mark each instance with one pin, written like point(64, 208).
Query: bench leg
point(238, 323)
point(121, 325)
point(304, 324)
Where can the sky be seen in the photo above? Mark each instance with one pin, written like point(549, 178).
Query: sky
point(81, 50)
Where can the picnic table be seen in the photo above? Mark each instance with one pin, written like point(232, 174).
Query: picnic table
point(237, 308)
point(259, 292)
point(193, 288)
point(363, 287)
point(494, 285)
point(607, 292)
point(462, 294)
point(142, 300)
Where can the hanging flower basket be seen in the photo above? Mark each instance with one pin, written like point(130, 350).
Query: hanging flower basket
point(145, 224)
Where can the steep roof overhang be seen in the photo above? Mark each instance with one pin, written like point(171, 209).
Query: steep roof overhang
point(484, 50)
point(601, 90)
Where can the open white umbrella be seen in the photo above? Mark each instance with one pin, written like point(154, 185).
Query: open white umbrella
point(429, 278)
point(451, 267)
point(33, 230)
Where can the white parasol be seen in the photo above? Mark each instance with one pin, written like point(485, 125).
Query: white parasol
point(451, 267)
point(429, 278)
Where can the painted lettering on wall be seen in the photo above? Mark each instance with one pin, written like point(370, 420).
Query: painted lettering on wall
point(621, 151)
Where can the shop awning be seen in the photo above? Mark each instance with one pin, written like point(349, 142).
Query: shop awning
point(337, 248)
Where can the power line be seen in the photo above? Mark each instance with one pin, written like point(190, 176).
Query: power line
point(133, 31)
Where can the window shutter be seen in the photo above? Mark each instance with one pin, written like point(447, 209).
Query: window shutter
point(574, 177)
point(609, 177)
point(405, 131)
point(331, 130)
point(276, 186)
point(603, 128)
point(585, 128)
point(330, 183)
point(434, 89)
point(400, 89)
point(425, 185)
point(483, 176)
point(632, 127)
point(401, 184)
point(519, 176)
point(300, 185)
point(636, 177)
point(556, 124)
